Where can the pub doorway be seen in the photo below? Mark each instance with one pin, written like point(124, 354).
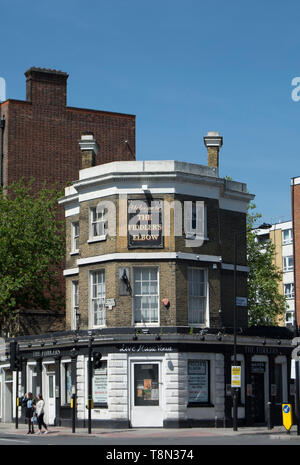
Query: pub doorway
point(146, 394)
point(258, 392)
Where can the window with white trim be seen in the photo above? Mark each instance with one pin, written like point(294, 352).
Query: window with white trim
point(98, 298)
point(288, 263)
point(197, 285)
point(97, 223)
point(75, 306)
point(195, 219)
point(66, 383)
point(145, 295)
point(75, 237)
point(289, 290)
point(287, 236)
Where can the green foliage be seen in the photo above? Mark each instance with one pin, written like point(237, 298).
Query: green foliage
point(31, 247)
point(265, 302)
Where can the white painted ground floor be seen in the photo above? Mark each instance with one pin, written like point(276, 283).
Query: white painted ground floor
point(177, 381)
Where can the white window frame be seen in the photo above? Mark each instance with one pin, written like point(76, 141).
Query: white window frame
point(204, 297)
point(289, 240)
point(291, 294)
point(65, 362)
point(97, 218)
point(74, 304)
point(93, 298)
point(286, 263)
point(74, 237)
point(31, 372)
point(141, 323)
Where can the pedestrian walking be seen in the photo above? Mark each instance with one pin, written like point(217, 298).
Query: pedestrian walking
point(40, 414)
point(29, 404)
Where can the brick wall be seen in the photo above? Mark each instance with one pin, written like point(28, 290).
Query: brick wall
point(41, 134)
point(173, 275)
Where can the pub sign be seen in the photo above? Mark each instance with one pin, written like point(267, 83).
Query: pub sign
point(145, 223)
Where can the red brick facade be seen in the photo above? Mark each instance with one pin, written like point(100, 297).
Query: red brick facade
point(41, 134)
point(40, 137)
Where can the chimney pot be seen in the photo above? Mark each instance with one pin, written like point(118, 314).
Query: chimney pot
point(213, 141)
point(89, 149)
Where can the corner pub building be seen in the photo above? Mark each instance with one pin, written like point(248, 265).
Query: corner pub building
point(150, 285)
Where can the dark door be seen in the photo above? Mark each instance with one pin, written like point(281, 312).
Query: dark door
point(258, 399)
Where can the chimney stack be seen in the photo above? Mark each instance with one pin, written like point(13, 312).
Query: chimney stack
point(213, 141)
point(46, 86)
point(89, 149)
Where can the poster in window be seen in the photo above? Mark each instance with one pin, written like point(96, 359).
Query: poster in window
point(145, 223)
point(100, 385)
point(198, 381)
point(68, 381)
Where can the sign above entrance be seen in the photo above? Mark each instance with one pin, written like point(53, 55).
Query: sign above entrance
point(46, 353)
point(146, 348)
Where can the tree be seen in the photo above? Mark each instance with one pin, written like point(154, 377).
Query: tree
point(265, 302)
point(31, 249)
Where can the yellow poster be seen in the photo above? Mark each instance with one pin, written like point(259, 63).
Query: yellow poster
point(235, 376)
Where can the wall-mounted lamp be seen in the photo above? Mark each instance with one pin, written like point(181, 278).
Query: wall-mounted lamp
point(125, 279)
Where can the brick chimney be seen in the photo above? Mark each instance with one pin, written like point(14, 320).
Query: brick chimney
point(89, 149)
point(46, 86)
point(213, 141)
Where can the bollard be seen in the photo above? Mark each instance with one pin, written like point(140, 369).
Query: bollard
point(269, 405)
point(73, 406)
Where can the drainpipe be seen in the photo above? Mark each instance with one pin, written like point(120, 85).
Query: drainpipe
point(2, 126)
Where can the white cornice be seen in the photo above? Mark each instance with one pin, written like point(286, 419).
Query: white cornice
point(161, 177)
point(153, 256)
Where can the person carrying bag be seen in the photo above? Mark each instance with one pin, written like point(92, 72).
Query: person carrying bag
point(40, 414)
point(29, 404)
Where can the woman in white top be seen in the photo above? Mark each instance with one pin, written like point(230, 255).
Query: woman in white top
point(39, 408)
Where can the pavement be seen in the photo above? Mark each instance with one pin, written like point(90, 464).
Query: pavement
point(278, 432)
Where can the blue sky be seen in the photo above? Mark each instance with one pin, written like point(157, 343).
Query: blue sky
point(183, 68)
